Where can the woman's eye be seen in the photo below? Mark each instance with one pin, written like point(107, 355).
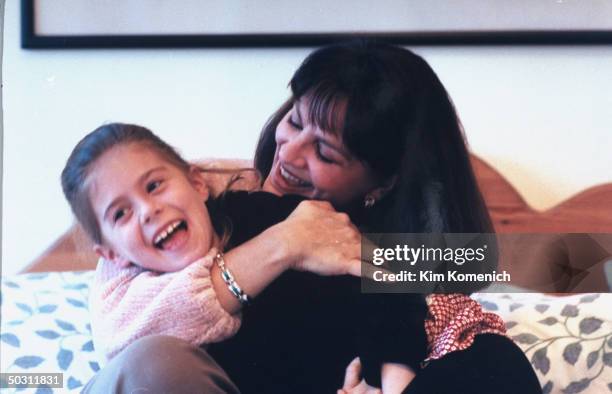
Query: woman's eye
point(294, 124)
point(152, 186)
point(322, 156)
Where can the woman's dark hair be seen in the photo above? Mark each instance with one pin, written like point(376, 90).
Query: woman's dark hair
point(85, 154)
point(399, 121)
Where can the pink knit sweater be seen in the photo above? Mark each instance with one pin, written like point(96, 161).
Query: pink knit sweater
point(130, 303)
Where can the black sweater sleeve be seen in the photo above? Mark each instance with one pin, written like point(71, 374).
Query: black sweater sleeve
point(391, 331)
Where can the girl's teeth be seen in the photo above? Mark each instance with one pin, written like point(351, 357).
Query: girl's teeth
point(166, 232)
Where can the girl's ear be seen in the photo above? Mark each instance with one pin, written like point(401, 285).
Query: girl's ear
point(108, 254)
point(198, 182)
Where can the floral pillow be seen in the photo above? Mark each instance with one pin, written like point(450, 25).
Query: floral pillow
point(567, 339)
point(45, 327)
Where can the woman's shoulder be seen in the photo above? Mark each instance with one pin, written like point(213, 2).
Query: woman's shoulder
point(250, 213)
point(256, 198)
point(268, 207)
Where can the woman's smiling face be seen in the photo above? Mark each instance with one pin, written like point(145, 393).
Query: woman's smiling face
point(315, 163)
point(150, 212)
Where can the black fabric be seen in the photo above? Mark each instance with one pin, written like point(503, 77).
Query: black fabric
point(302, 331)
point(493, 364)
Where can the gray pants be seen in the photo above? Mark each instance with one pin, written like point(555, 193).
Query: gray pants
point(161, 364)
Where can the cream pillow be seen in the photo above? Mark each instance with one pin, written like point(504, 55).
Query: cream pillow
point(567, 339)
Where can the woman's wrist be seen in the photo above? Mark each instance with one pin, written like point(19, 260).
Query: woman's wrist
point(285, 249)
point(254, 265)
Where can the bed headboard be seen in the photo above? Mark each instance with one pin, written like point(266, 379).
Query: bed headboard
point(587, 212)
point(562, 249)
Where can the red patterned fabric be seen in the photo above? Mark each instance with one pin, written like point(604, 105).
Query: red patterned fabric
point(453, 322)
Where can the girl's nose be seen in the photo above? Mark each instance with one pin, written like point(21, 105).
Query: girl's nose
point(294, 151)
point(150, 210)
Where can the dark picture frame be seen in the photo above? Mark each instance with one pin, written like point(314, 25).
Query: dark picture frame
point(548, 33)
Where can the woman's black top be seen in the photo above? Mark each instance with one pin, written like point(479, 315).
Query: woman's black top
point(302, 331)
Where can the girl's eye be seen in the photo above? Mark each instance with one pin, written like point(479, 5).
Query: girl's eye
point(152, 186)
point(119, 213)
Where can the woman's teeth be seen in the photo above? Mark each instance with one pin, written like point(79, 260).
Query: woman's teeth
point(164, 235)
point(292, 180)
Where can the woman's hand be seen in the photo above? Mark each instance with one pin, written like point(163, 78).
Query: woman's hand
point(321, 240)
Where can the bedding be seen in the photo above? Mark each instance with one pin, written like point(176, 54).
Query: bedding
point(567, 339)
point(45, 323)
point(45, 328)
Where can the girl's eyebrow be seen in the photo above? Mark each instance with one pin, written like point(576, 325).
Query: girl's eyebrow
point(140, 180)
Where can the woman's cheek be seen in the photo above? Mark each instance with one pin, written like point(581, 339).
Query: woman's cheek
point(325, 179)
point(281, 134)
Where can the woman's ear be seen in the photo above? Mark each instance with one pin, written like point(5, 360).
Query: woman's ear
point(198, 182)
point(109, 255)
point(384, 188)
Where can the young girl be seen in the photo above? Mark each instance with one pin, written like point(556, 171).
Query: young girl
point(162, 272)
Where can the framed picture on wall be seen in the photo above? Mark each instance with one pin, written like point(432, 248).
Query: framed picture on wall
point(244, 23)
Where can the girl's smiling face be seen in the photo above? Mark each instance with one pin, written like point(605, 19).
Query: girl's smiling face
point(150, 212)
point(315, 163)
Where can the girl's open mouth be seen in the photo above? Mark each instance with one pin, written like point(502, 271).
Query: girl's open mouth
point(171, 236)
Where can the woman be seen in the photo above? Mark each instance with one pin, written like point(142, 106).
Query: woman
point(370, 128)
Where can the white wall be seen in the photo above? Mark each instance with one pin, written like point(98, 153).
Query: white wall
point(541, 115)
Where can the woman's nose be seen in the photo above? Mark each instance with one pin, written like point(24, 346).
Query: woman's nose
point(293, 150)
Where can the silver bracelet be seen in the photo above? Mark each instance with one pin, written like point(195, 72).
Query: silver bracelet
point(229, 280)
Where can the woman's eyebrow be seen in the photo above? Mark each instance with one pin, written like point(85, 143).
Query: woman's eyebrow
point(336, 148)
point(298, 111)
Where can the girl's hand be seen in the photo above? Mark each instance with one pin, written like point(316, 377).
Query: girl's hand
point(321, 240)
point(353, 384)
point(395, 378)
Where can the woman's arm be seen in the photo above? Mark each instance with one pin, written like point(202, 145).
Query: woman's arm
point(193, 303)
point(313, 238)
